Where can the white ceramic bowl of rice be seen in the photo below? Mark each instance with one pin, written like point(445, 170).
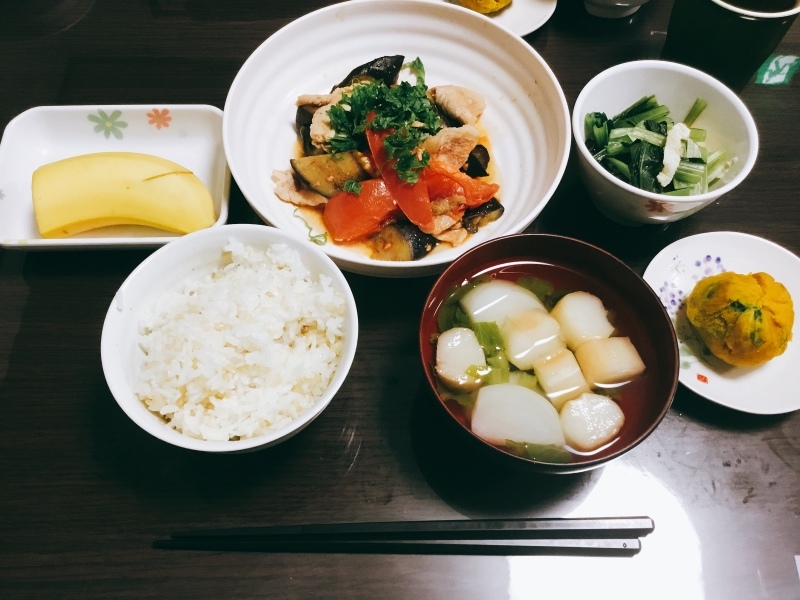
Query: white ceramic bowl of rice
point(230, 338)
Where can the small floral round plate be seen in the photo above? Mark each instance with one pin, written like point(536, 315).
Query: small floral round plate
point(768, 389)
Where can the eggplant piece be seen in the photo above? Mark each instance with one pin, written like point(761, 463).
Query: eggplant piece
point(477, 162)
point(326, 174)
point(302, 121)
point(475, 218)
point(401, 240)
point(385, 69)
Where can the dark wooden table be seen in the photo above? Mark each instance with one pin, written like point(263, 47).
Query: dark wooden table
point(84, 491)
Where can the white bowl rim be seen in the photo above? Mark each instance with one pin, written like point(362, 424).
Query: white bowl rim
point(744, 113)
point(162, 431)
point(351, 261)
point(755, 13)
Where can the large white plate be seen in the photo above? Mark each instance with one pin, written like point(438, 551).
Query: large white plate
point(190, 135)
point(522, 16)
point(767, 389)
point(526, 119)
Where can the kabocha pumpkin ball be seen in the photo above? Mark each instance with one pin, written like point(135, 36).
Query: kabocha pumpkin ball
point(485, 6)
point(744, 320)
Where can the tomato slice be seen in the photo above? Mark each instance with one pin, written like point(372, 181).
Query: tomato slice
point(412, 198)
point(350, 216)
point(441, 185)
point(476, 192)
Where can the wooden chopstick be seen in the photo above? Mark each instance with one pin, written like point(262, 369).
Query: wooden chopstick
point(609, 527)
point(563, 546)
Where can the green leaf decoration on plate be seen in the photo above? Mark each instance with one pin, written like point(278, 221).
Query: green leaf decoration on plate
point(108, 124)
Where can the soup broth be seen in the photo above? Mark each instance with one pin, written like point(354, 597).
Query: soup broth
point(630, 395)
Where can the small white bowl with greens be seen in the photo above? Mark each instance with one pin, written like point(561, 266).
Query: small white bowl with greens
point(658, 141)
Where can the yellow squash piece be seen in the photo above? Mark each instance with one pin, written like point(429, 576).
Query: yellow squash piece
point(85, 192)
point(485, 6)
point(744, 320)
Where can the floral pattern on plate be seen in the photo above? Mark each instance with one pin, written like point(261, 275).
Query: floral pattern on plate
point(108, 123)
point(684, 274)
point(159, 118)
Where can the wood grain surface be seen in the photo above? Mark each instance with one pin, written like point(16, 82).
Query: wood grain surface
point(84, 492)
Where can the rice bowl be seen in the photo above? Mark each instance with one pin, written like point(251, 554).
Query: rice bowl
point(229, 339)
point(244, 349)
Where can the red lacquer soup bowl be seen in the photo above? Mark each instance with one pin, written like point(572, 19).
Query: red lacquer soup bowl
point(562, 265)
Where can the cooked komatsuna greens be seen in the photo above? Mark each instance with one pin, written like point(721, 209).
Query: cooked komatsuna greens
point(392, 163)
point(644, 146)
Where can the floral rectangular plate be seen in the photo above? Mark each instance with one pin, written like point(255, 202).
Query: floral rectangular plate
point(190, 135)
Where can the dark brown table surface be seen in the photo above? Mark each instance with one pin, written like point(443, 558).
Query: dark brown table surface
point(84, 492)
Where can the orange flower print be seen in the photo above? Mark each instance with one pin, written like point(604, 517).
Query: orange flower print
point(654, 206)
point(159, 118)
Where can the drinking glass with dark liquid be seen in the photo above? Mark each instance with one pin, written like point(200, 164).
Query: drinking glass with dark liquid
point(728, 39)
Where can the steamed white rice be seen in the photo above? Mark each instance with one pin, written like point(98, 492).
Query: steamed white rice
point(244, 349)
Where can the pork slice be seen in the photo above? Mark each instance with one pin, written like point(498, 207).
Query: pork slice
point(452, 145)
point(286, 189)
point(462, 104)
point(442, 223)
point(455, 235)
point(320, 130)
point(323, 99)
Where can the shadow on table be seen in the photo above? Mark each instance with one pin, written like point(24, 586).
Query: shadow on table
point(154, 468)
point(32, 19)
point(707, 412)
point(478, 484)
point(232, 11)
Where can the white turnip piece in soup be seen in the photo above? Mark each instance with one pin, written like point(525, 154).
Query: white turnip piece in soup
point(508, 412)
point(531, 336)
point(498, 299)
point(590, 421)
point(609, 361)
point(457, 350)
point(582, 317)
point(561, 377)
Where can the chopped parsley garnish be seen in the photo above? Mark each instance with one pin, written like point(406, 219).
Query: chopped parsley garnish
point(320, 239)
point(403, 108)
point(417, 69)
point(352, 186)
